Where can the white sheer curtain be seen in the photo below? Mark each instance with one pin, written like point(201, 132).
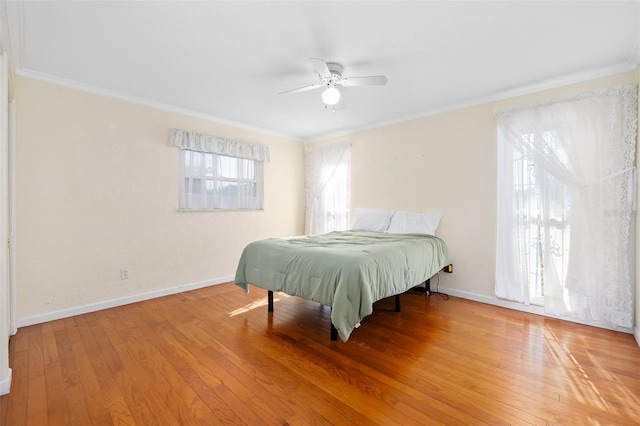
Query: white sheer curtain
point(327, 174)
point(566, 201)
point(218, 182)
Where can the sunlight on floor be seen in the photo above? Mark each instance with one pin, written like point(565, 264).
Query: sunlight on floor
point(256, 304)
point(582, 387)
point(595, 392)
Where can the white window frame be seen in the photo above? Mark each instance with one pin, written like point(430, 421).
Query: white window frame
point(327, 188)
point(201, 187)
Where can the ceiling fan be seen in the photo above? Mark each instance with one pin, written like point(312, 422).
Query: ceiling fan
point(330, 74)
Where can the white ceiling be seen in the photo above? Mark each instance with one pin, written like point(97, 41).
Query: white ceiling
point(229, 60)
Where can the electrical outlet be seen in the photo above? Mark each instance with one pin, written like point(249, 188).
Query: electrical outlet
point(124, 274)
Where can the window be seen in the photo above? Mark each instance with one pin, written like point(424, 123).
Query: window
point(336, 198)
point(219, 174)
point(542, 203)
point(327, 174)
point(218, 182)
point(566, 200)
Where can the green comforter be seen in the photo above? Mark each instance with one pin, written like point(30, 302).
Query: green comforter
point(347, 270)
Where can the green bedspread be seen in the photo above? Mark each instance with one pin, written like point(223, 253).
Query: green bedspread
point(347, 270)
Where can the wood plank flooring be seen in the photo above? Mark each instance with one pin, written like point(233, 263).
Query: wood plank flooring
point(215, 356)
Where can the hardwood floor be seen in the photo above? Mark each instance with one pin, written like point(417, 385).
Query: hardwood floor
point(215, 356)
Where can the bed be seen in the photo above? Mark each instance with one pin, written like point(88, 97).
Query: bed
point(346, 270)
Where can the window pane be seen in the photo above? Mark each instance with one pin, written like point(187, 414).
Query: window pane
point(196, 188)
point(542, 203)
point(209, 172)
point(211, 181)
point(196, 163)
point(229, 189)
point(246, 169)
point(227, 167)
point(210, 185)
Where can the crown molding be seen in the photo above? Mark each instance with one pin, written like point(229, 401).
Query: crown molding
point(507, 94)
point(511, 93)
point(149, 103)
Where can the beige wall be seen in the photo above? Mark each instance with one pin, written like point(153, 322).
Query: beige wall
point(98, 192)
point(447, 163)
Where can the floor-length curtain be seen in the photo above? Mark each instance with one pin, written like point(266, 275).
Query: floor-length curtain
point(327, 173)
point(566, 200)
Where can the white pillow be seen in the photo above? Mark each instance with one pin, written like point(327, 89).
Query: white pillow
point(371, 220)
point(414, 223)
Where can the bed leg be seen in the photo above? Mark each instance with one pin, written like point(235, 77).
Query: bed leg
point(427, 287)
point(334, 333)
point(270, 300)
point(397, 303)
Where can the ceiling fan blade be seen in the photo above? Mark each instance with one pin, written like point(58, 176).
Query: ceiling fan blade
point(373, 80)
point(303, 89)
point(321, 67)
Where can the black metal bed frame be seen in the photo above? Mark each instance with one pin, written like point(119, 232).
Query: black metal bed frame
point(334, 331)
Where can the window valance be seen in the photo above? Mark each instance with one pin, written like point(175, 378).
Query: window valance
point(216, 145)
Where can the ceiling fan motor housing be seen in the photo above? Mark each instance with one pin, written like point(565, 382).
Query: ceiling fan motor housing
point(336, 74)
point(335, 68)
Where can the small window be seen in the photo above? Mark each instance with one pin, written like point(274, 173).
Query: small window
point(327, 179)
point(218, 182)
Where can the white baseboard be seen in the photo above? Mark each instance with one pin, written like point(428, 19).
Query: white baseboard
point(5, 384)
point(532, 309)
point(79, 310)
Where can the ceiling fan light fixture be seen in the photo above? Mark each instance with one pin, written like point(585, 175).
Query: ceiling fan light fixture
point(331, 96)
